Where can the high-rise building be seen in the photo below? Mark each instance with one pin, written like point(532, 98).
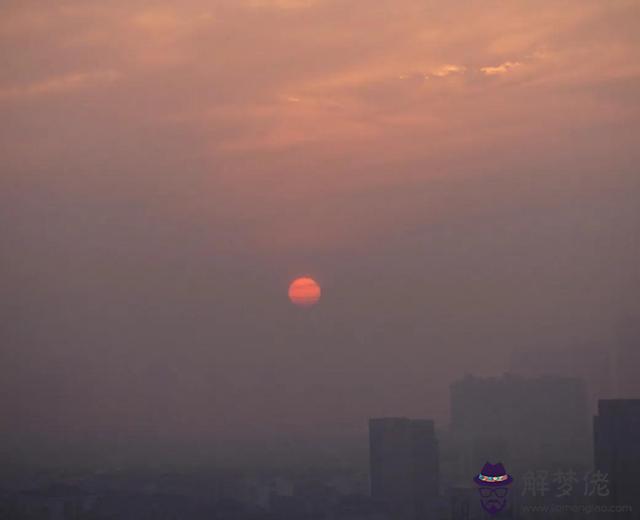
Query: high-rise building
point(404, 466)
point(617, 454)
point(593, 363)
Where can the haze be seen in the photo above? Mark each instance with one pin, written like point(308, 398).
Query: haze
point(460, 177)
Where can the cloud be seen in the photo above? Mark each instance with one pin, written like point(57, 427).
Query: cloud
point(376, 83)
point(503, 68)
point(447, 70)
point(61, 84)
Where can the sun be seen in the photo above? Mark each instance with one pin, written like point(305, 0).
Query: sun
point(304, 292)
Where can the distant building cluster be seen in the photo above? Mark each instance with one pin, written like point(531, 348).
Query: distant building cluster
point(521, 446)
point(562, 462)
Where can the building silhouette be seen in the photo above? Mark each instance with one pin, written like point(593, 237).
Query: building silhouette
point(591, 362)
point(404, 467)
point(617, 453)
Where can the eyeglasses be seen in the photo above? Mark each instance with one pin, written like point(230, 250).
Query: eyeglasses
point(500, 492)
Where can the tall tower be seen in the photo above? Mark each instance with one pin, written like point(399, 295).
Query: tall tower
point(404, 466)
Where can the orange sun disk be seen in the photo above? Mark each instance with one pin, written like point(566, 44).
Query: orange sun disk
point(304, 292)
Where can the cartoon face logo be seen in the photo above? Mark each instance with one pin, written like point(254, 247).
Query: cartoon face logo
point(493, 487)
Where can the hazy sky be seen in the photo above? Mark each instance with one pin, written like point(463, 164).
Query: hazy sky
point(461, 177)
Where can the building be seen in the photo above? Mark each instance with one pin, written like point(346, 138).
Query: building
point(593, 363)
point(617, 454)
point(404, 467)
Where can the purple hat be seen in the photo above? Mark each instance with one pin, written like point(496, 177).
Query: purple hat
point(493, 475)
